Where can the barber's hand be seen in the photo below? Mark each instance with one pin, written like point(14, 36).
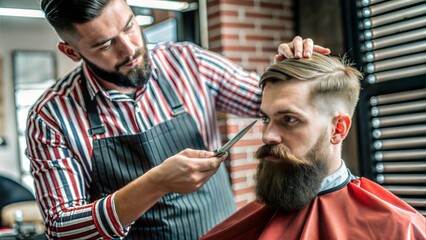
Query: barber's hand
point(299, 48)
point(186, 171)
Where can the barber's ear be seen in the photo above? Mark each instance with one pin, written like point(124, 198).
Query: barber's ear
point(69, 51)
point(341, 126)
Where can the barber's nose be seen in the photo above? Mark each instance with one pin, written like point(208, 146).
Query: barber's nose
point(271, 134)
point(126, 47)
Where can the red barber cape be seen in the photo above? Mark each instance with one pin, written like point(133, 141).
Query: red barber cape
point(360, 210)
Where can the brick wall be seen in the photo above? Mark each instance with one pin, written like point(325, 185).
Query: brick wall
point(248, 32)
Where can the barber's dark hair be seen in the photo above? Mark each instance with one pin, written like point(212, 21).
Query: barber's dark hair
point(63, 14)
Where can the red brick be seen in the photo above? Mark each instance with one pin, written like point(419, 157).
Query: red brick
point(261, 60)
point(239, 48)
point(278, 27)
point(214, 15)
point(250, 166)
point(235, 156)
point(258, 15)
point(239, 2)
point(229, 13)
point(239, 180)
point(248, 142)
point(251, 69)
point(212, 3)
point(234, 59)
point(238, 25)
point(232, 129)
point(215, 26)
point(270, 49)
point(230, 37)
point(259, 37)
point(217, 49)
point(242, 191)
point(274, 6)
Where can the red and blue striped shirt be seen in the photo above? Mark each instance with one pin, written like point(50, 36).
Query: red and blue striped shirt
point(59, 146)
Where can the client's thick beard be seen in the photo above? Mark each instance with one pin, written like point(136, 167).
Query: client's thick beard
point(137, 77)
point(289, 183)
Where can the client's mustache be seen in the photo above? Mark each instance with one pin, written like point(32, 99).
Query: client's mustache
point(129, 59)
point(279, 151)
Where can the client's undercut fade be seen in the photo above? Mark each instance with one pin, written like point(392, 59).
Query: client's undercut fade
point(331, 77)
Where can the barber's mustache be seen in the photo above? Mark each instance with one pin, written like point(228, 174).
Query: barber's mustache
point(129, 59)
point(281, 152)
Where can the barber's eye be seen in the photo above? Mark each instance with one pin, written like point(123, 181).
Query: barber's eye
point(129, 27)
point(106, 46)
point(290, 119)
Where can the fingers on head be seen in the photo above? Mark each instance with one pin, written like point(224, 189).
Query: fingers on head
point(308, 46)
point(297, 46)
point(321, 50)
point(286, 50)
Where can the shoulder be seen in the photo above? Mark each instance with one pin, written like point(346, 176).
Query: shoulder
point(176, 46)
point(379, 198)
point(62, 88)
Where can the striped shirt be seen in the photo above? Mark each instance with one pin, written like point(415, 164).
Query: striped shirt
point(59, 146)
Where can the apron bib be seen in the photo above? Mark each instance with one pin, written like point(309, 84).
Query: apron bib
point(116, 161)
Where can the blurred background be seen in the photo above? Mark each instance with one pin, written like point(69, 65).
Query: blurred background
point(385, 39)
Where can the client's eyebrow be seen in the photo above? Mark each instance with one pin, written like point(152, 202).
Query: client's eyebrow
point(282, 112)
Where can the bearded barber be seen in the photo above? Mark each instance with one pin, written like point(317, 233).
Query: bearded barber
point(111, 143)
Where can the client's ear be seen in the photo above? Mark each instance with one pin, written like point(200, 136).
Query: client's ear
point(69, 51)
point(341, 125)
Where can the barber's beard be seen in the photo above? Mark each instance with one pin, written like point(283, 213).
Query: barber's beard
point(290, 183)
point(137, 77)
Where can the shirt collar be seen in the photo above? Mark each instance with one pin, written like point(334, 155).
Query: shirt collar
point(93, 86)
point(336, 179)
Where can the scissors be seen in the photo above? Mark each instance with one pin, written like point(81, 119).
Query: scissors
point(222, 150)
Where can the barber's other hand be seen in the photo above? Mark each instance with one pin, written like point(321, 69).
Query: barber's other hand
point(186, 171)
point(299, 48)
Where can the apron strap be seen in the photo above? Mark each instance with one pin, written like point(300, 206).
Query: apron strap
point(170, 95)
point(96, 126)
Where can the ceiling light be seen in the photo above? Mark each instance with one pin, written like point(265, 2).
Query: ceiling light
point(151, 4)
point(16, 12)
point(164, 5)
point(144, 20)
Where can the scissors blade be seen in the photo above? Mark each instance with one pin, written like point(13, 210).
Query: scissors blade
point(222, 150)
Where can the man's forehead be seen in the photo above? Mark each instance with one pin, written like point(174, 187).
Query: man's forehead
point(286, 96)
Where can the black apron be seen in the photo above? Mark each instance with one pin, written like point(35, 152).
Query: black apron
point(116, 161)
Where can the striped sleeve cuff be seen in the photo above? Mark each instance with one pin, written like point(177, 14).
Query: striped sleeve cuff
point(106, 218)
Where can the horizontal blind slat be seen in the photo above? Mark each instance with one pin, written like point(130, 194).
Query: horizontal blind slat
point(401, 178)
point(401, 167)
point(399, 120)
point(407, 190)
point(403, 155)
point(398, 97)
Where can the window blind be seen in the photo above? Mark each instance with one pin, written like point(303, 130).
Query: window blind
point(388, 41)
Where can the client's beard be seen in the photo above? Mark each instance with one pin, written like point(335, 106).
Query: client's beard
point(137, 77)
point(289, 183)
